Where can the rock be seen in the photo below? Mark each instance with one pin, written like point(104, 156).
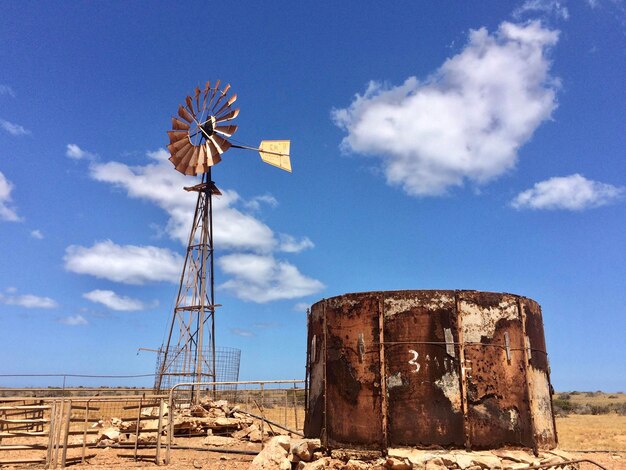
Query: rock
point(273, 456)
point(393, 463)
point(317, 455)
point(242, 433)
point(316, 465)
point(106, 443)
point(417, 457)
point(116, 422)
point(112, 434)
point(354, 454)
point(435, 464)
point(303, 449)
point(515, 456)
point(514, 466)
point(484, 459)
point(198, 411)
point(218, 441)
point(353, 464)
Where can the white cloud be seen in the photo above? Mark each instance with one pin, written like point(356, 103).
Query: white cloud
point(466, 121)
point(6, 211)
point(242, 332)
point(75, 152)
point(262, 278)
point(290, 244)
point(548, 7)
point(573, 192)
point(159, 183)
point(114, 301)
point(301, 307)
point(255, 202)
point(7, 90)
point(129, 264)
point(73, 320)
point(28, 301)
point(37, 234)
point(13, 129)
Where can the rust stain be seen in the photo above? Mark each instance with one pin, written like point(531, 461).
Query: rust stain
point(506, 388)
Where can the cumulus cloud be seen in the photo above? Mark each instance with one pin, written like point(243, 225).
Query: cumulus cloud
point(13, 129)
point(28, 301)
point(262, 278)
point(36, 234)
point(114, 301)
point(301, 307)
point(75, 152)
point(73, 320)
point(290, 244)
point(467, 121)
point(573, 192)
point(158, 183)
point(128, 264)
point(235, 228)
point(7, 212)
point(7, 90)
point(546, 7)
point(255, 202)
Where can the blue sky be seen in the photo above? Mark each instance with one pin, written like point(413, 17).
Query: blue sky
point(434, 145)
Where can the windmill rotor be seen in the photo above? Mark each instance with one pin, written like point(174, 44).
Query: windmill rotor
point(197, 140)
point(201, 132)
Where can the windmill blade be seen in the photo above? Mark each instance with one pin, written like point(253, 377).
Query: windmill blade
point(183, 113)
point(191, 167)
point(201, 164)
point(189, 102)
point(177, 154)
point(175, 136)
point(213, 155)
point(276, 153)
point(198, 99)
point(206, 93)
point(176, 146)
point(222, 96)
point(184, 161)
point(227, 117)
point(179, 125)
point(221, 143)
point(226, 130)
point(227, 104)
point(213, 92)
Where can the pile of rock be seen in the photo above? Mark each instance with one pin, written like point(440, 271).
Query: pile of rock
point(284, 453)
point(222, 425)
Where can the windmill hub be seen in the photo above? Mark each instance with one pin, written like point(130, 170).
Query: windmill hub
point(207, 127)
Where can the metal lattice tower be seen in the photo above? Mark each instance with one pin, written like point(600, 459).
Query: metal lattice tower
point(189, 354)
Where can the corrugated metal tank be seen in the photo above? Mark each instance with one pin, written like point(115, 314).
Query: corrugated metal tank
point(423, 368)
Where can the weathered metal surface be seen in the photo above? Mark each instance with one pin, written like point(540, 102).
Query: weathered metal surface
point(422, 368)
point(538, 376)
point(353, 388)
point(496, 391)
point(422, 378)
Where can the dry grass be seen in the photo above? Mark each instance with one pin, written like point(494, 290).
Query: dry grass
point(592, 432)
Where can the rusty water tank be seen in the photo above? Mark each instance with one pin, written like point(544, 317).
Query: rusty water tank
point(421, 368)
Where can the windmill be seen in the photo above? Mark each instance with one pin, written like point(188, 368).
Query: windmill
point(201, 133)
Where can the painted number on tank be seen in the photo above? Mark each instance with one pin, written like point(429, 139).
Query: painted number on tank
point(413, 361)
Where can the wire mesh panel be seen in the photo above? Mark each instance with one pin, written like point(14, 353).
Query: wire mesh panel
point(177, 369)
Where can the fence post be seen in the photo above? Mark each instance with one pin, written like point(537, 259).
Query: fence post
point(66, 433)
point(157, 458)
point(295, 406)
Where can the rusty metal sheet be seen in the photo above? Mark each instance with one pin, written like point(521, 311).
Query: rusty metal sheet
point(498, 411)
point(422, 369)
point(315, 368)
point(538, 377)
point(354, 398)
